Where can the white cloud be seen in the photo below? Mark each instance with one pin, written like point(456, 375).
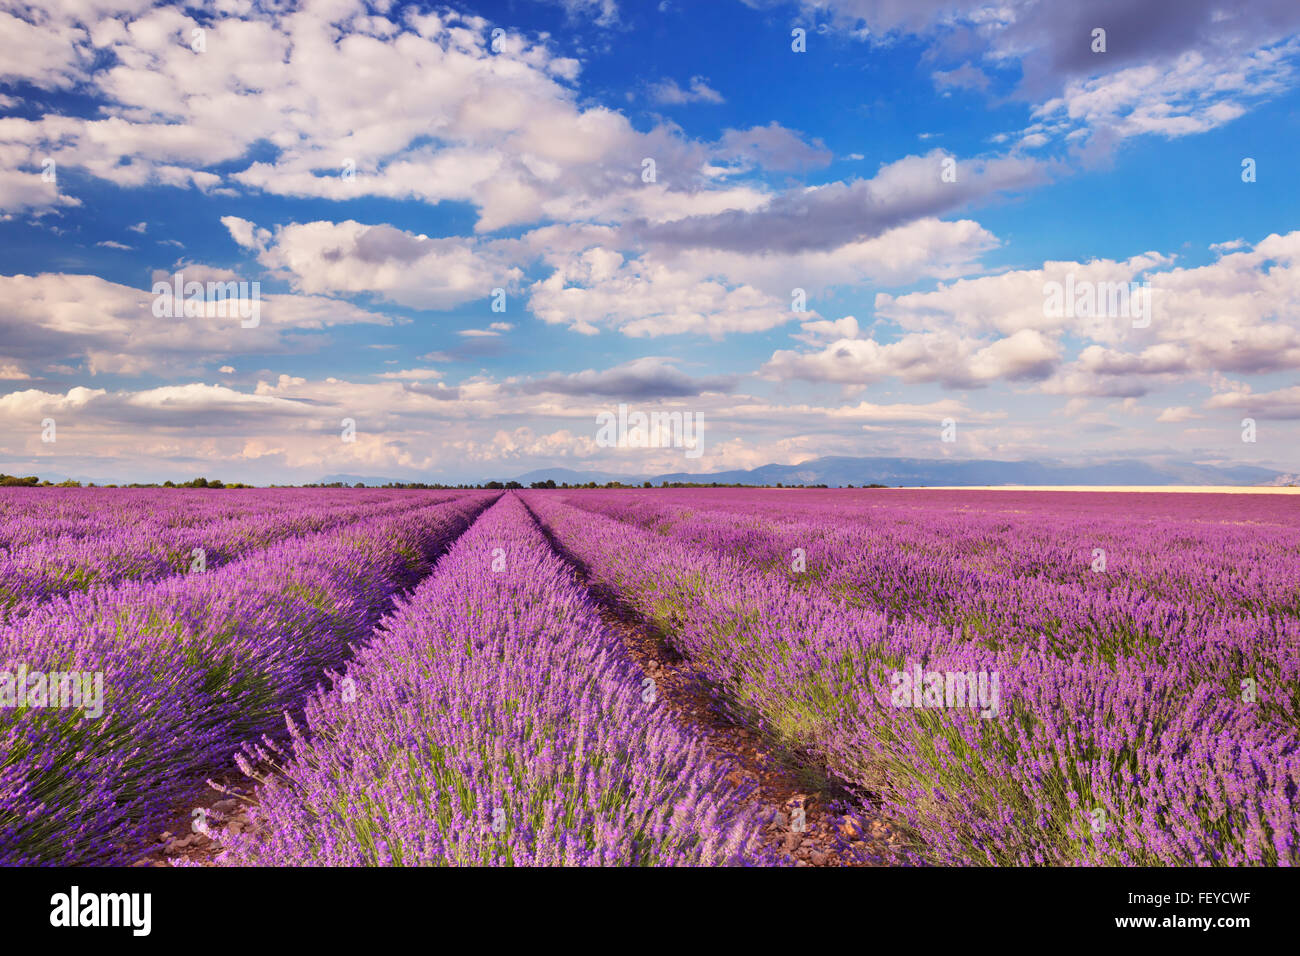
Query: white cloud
point(1180, 69)
point(351, 257)
point(11, 371)
point(1232, 315)
point(716, 292)
point(110, 328)
point(820, 330)
point(943, 357)
point(1177, 414)
point(412, 375)
point(669, 93)
point(317, 83)
point(643, 298)
point(21, 190)
point(1282, 403)
point(1194, 93)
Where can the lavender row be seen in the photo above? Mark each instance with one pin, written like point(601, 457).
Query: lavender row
point(1228, 640)
point(59, 566)
point(495, 720)
point(188, 668)
point(1196, 546)
point(1069, 757)
point(28, 516)
point(910, 548)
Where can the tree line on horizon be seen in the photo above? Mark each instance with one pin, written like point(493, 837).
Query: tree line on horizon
point(33, 481)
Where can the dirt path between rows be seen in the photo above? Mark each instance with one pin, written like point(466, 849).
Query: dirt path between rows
point(783, 784)
point(783, 787)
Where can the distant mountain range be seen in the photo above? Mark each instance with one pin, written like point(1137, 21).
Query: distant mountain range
point(911, 472)
point(560, 475)
point(924, 472)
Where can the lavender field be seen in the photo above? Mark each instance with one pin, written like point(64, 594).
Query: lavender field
point(649, 677)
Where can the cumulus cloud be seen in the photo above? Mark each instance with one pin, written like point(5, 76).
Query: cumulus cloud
point(820, 330)
point(317, 84)
point(350, 257)
point(828, 216)
point(412, 375)
point(1170, 68)
point(641, 378)
point(772, 147)
point(1282, 403)
point(11, 371)
point(22, 190)
point(669, 93)
point(948, 359)
point(965, 76)
point(642, 297)
point(1177, 414)
point(109, 328)
point(1232, 315)
point(672, 290)
point(287, 428)
point(601, 12)
point(300, 102)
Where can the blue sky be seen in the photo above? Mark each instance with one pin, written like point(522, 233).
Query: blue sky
point(222, 153)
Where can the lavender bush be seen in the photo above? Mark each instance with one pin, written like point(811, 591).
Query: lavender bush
point(142, 545)
point(192, 667)
point(495, 721)
point(1126, 733)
